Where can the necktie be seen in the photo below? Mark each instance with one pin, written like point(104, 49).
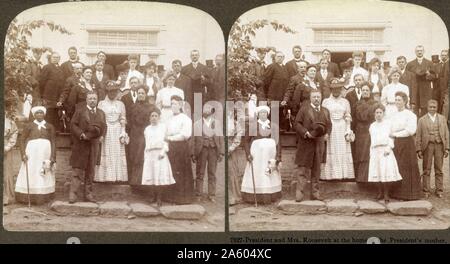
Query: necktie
point(317, 109)
point(92, 111)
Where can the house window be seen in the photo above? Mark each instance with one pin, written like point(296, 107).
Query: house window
point(121, 39)
point(349, 36)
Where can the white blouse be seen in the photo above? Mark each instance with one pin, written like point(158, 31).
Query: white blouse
point(155, 138)
point(164, 95)
point(388, 92)
point(403, 123)
point(379, 134)
point(149, 82)
point(179, 127)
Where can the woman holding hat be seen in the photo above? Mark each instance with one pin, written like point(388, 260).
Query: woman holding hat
point(362, 118)
point(113, 163)
point(388, 92)
point(163, 101)
point(77, 95)
point(377, 79)
point(262, 148)
point(152, 81)
point(36, 176)
point(339, 161)
point(139, 120)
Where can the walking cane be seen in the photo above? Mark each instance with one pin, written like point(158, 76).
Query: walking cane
point(28, 183)
point(254, 187)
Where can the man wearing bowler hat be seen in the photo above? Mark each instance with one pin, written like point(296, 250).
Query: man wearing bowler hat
point(313, 126)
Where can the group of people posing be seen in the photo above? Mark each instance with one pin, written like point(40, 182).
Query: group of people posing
point(134, 129)
point(369, 125)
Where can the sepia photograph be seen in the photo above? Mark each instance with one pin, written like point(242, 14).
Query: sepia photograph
point(113, 119)
point(338, 117)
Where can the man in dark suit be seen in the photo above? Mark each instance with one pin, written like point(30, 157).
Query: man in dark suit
point(276, 78)
point(198, 73)
point(313, 126)
point(296, 83)
point(355, 94)
point(422, 68)
point(52, 91)
point(33, 69)
point(292, 65)
point(70, 84)
point(100, 78)
point(432, 143)
point(66, 67)
point(443, 85)
point(107, 69)
point(130, 98)
point(409, 79)
point(324, 76)
point(257, 69)
point(217, 91)
point(332, 67)
point(88, 127)
point(207, 150)
point(184, 83)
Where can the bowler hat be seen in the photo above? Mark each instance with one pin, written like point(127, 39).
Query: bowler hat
point(318, 129)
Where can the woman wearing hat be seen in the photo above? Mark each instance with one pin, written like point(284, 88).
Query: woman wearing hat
point(261, 148)
point(77, 95)
point(362, 118)
point(163, 101)
point(137, 122)
point(310, 82)
point(152, 81)
point(339, 161)
point(389, 91)
point(377, 79)
point(113, 163)
point(37, 148)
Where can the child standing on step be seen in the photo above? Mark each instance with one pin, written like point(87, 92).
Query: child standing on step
point(383, 168)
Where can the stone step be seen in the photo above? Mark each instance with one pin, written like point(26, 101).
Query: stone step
point(356, 208)
point(130, 210)
point(327, 189)
point(107, 192)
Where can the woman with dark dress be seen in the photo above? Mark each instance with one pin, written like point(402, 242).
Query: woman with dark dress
point(179, 132)
point(403, 128)
point(363, 117)
point(36, 175)
point(139, 120)
point(263, 152)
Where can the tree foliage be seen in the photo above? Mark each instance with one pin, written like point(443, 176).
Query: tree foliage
point(241, 79)
point(17, 56)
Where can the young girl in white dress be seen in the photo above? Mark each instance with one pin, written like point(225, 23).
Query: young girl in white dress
point(383, 168)
point(156, 170)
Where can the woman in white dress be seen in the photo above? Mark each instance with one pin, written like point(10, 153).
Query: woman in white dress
point(37, 148)
point(389, 91)
point(383, 168)
point(113, 163)
point(261, 149)
point(377, 79)
point(163, 97)
point(156, 169)
point(339, 161)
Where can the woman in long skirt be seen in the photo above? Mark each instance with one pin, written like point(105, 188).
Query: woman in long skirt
point(235, 170)
point(263, 154)
point(36, 176)
point(10, 140)
point(363, 117)
point(339, 161)
point(157, 171)
point(403, 128)
point(383, 167)
point(113, 162)
point(139, 120)
point(179, 131)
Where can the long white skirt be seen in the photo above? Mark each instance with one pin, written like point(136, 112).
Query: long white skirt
point(262, 151)
point(156, 171)
point(37, 150)
point(383, 168)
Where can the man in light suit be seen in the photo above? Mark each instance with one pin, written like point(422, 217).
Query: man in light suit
point(422, 67)
point(432, 143)
point(207, 150)
point(409, 79)
point(292, 65)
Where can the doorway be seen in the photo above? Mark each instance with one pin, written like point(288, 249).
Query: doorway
point(115, 59)
point(339, 57)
